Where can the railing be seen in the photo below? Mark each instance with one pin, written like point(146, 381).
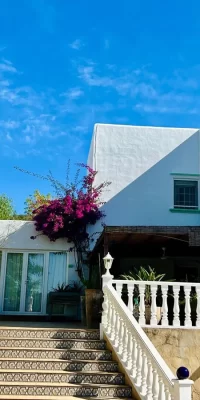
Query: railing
point(148, 372)
point(164, 303)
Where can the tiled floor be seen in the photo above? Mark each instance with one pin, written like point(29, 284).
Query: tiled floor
point(41, 324)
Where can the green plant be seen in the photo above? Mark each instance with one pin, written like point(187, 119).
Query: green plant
point(73, 287)
point(143, 274)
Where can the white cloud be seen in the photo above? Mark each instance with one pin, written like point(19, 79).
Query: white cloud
point(9, 124)
point(73, 93)
point(8, 137)
point(6, 66)
point(27, 139)
point(76, 44)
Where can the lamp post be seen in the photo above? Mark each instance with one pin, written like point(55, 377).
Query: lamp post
point(108, 260)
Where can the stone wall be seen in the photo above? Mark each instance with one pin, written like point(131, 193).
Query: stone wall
point(179, 347)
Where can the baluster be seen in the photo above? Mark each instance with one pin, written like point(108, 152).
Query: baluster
point(161, 389)
point(144, 374)
point(109, 318)
point(104, 319)
point(130, 288)
point(112, 333)
point(168, 395)
point(164, 320)
point(155, 384)
point(116, 342)
point(176, 320)
point(130, 346)
point(188, 321)
point(121, 336)
point(153, 305)
point(134, 358)
point(125, 344)
point(198, 307)
point(139, 365)
point(119, 289)
point(141, 287)
point(149, 394)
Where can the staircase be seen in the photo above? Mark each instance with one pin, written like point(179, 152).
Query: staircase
point(57, 363)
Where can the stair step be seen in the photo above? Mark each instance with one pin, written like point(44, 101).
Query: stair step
point(63, 389)
point(53, 343)
point(114, 378)
point(59, 365)
point(78, 354)
point(49, 333)
point(16, 397)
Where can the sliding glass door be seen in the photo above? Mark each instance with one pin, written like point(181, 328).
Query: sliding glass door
point(24, 283)
point(13, 282)
point(34, 283)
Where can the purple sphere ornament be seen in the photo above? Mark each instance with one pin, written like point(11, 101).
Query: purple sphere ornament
point(182, 373)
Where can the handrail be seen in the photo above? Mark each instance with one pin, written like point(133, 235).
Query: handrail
point(179, 302)
point(146, 369)
point(149, 373)
point(158, 283)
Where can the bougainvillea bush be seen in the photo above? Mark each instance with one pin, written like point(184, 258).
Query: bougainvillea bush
point(69, 215)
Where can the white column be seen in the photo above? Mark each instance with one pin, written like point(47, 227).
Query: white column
point(183, 389)
point(176, 320)
point(119, 289)
point(188, 321)
point(139, 366)
point(164, 320)
point(144, 374)
point(198, 306)
point(141, 287)
point(134, 358)
point(149, 394)
point(106, 280)
point(130, 287)
point(153, 305)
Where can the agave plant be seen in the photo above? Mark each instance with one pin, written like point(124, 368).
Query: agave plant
point(143, 274)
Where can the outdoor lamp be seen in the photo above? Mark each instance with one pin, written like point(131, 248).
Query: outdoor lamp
point(108, 260)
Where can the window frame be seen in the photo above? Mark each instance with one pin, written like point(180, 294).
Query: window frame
point(186, 178)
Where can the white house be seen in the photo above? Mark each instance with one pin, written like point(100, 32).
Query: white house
point(154, 192)
point(30, 269)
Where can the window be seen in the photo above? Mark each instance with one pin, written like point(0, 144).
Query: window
point(186, 194)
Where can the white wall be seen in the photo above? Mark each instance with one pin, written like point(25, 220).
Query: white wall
point(155, 154)
point(122, 153)
point(15, 235)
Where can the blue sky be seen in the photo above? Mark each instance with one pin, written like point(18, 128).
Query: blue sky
point(65, 65)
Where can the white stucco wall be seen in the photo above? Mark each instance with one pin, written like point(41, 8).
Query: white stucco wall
point(139, 162)
point(122, 153)
point(15, 235)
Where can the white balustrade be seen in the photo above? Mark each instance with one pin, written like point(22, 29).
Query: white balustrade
point(179, 303)
point(146, 369)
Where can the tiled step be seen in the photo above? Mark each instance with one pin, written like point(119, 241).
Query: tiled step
point(53, 343)
point(6, 352)
point(50, 389)
point(44, 333)
point(58, 365)
point(113, 378)
point(16, 397)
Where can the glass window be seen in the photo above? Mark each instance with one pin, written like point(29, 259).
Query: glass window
point(57, 276)
point(13, 282)
point(34, 283)
point(186, 194)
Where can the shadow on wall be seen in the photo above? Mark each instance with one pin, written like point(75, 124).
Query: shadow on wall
point(195, 375)
point(147, 200)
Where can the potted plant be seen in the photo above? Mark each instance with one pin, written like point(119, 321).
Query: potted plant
point(93, 299)
point(66, 294)
point(143, 274)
